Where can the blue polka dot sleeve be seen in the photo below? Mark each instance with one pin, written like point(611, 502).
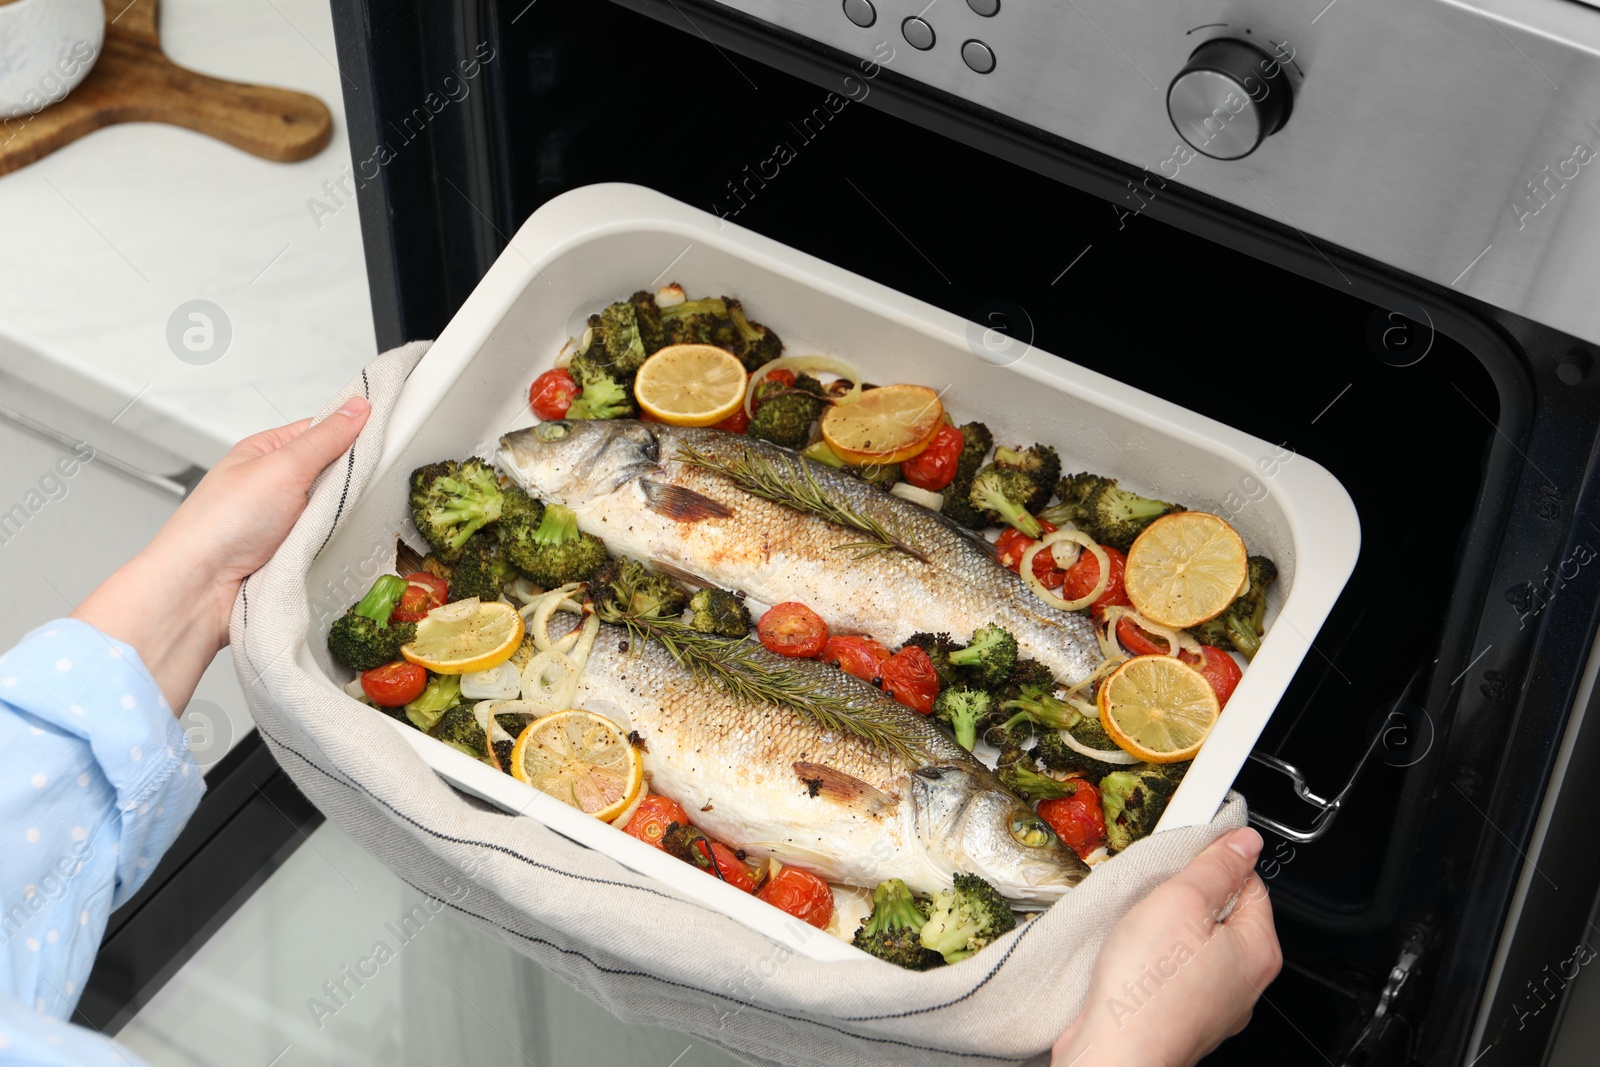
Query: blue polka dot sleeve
point(96, 780)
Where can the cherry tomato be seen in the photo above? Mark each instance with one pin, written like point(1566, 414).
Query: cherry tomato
point(1013, 544)
point(860, 656)
point(394, 684)
point(1083, 575)
point(935, 466)
point(792, 629)
point(1219, 669)
point(424, 592)
point(653, 816)
point(733, 869)
point(801, 894)
point(738, 422)
point(551, 394)
point(909, 677)
point(1078, 819)
point(1139, 643)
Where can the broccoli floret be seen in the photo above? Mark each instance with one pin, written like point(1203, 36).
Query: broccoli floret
point(957, 507)
point(1042, 467)
point(882, 475)
point(939, 647)
point(364, 638)
point(965, 918)
point(442, 693)
point(1240, 628)
point(1132, 800)
point(698, 322)
point(520, 518)
point(1024, 780)
point(1110, 515)
point(482, 571)
point(999, 492)
point(1039, 705)
point(989, 656)
point(786, 412)
point(715, 306)
point(756, 345)
point(962, 710)
point(647, 316)
point(1026, 673)
point(1055, 754)
point(893, 931)
point(556, 552)
point(622, 338)
point(452, 501)
point(600, 396)
point(624, 585)
point(717, 611)
point(458, 727)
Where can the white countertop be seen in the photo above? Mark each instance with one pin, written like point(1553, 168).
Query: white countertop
point(105, 238)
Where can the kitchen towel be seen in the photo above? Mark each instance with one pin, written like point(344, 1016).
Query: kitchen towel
point(647, 953)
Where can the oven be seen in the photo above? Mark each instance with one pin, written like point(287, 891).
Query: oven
point(1366, 233)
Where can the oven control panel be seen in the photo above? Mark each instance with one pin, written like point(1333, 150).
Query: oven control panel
point(1448, 140)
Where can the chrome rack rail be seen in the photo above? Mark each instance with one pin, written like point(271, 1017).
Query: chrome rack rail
point(1391, 736)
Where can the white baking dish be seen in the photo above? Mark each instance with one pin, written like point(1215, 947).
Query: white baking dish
point(594, 245)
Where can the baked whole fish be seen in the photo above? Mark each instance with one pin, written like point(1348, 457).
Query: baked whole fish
point(767, 779)
point(629, 487)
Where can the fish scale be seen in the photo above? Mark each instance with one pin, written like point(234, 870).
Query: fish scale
point(849, 812)
point(775, 553)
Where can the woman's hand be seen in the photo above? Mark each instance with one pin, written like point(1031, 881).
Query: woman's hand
point(1180, 973)
point(172, 601)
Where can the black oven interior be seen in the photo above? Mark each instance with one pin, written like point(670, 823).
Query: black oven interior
point(1418, 426)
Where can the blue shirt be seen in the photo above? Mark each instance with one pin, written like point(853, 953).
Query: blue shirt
point(96, 780)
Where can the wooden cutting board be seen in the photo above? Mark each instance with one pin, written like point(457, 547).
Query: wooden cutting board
point(134, 81)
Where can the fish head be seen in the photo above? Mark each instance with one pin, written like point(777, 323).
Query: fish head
point(982, 828)
point(573, 461)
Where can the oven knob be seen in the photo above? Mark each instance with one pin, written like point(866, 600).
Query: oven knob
point(1228, 98)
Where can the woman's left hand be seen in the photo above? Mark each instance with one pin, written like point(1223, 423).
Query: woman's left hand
point(172, 601)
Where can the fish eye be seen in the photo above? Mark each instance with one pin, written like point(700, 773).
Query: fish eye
point(551, 431)
point(1031, 831)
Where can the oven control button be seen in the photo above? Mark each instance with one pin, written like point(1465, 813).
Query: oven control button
point(986, 8)
point(1228, 98)
point(979, 56)
point(860, 12)
point(918, 34)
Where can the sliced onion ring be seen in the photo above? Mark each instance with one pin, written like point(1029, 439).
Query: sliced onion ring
point(1114, 756)
point(799, 363)
point(1111, 664)
point(554, 694)
point(917, 495)
point(1025, 568)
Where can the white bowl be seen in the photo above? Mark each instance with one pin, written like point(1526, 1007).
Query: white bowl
point(46, 48)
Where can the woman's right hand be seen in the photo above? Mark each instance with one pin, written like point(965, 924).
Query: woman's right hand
point(1172, 982)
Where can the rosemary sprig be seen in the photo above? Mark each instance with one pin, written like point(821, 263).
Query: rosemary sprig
point(740, 668)
point(798, 488)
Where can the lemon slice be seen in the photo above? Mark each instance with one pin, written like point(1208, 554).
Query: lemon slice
point(1186, 568)
point(691, 385)
point(1158, 708)
point(886, 425)
point(465, 636)
point(582, 759)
